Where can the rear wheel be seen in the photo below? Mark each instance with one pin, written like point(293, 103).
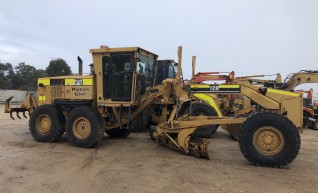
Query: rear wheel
point(140, 123)
point(269, 139)
point(202, 109)
point(84, 127)
point(313, 124)
point(47, 124)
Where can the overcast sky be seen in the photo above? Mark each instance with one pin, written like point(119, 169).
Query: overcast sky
point(247, 36)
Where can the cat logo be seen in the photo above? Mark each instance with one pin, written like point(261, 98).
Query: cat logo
point(78, 82)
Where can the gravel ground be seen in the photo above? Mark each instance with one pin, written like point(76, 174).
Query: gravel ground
point(137, 164)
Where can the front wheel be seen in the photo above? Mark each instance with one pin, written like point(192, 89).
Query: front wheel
point(269, 139)
point(84, 127)
point(202, 109)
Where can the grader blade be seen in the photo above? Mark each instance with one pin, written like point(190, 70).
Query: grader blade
point(199, 147)
point(182, 140)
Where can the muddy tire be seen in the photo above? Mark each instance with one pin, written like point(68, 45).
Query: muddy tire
point(47, 124)
point(84, 127)
point(206, 110)
point(140, 124)
point(313, 124)
point(269, 139)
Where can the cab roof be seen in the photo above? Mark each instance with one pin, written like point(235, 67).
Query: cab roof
point(106, 49)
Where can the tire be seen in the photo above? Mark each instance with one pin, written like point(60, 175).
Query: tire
point(84, 127)
point(206, 110)
point(313, 124)
point(137, 124)
point(140, 123)
point(118, 133)
point(305, 123)
point(47, 124)
point(259, 127)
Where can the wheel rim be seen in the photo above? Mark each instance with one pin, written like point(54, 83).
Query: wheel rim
point(43, 124)
point(81, 128)
point(268, 140)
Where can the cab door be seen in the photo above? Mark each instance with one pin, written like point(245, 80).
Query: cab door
point(122, 71)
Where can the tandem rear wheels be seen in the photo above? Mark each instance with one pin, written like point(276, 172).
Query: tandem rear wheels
point(269, 139)
point(84, 126)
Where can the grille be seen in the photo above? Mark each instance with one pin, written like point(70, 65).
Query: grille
point(57, 92)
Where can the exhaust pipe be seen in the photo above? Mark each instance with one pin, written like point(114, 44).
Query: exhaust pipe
point(194, 59)
point(179, 63)
point(80, 66)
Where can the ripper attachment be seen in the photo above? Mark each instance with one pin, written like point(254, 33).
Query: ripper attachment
point(27, 105)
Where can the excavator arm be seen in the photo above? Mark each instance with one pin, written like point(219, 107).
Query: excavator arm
point(295, 79)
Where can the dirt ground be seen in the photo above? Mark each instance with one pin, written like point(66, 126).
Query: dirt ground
point(137, 164)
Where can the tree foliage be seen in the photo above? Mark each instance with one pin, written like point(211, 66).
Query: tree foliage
point(6, 75)
point(24, 76)
point(58, 67)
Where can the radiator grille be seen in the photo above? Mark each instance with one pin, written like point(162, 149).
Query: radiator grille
point(57, 92)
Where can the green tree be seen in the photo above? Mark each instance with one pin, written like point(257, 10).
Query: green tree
point(40, 73)
point(6, 75)
point(58, 67)
point(25, 77)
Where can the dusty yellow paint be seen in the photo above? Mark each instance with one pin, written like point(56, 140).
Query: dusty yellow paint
point(208, 99)
point(88, 82)
point(70, 81)
point(44, 81)
point(229, 86)
point(199, 86)
point(42, 98)
point(283, 92)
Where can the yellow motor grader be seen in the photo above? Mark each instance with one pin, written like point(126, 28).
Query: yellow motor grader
point(120, 89)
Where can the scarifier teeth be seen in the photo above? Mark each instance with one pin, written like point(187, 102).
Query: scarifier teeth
point(18, 115)
point(17, 111)
point(24, 115)
point(11, 116)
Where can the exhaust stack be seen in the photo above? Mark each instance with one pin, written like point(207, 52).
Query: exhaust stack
point(194, 59)
point(80, 66)
point(179, 63)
